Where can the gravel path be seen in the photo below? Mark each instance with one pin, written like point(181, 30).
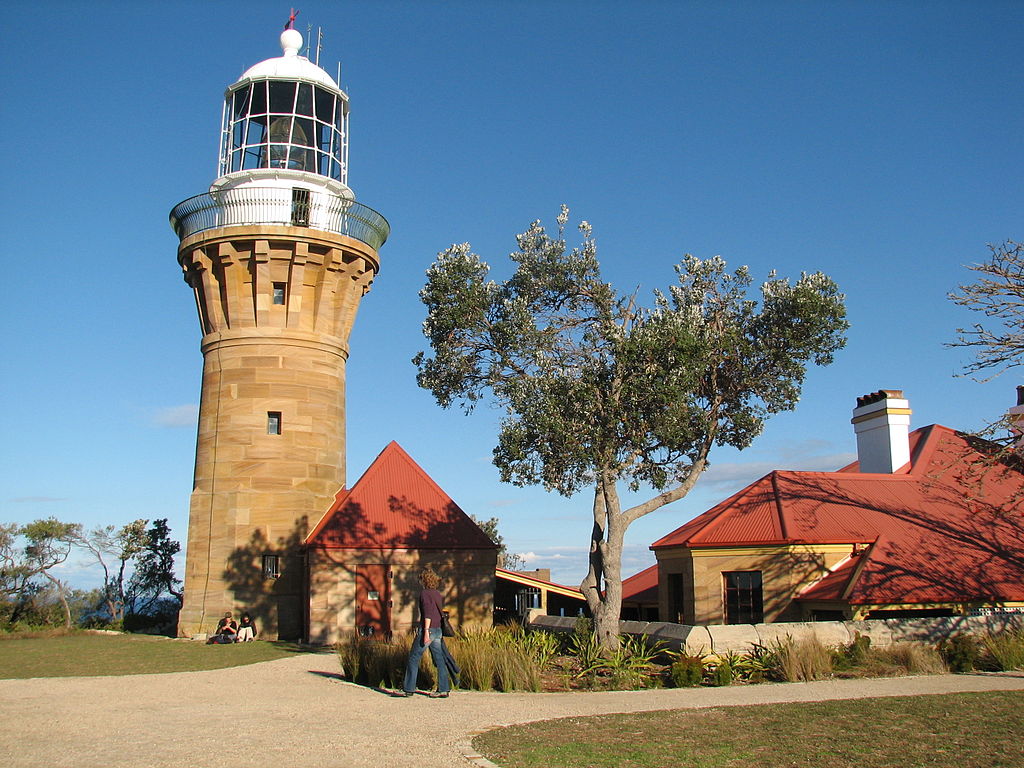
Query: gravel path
point(297, 712)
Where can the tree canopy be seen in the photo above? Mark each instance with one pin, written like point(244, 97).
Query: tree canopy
point(598, 390)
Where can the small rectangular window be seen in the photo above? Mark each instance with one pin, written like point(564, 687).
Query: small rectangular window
point(676, 608)
point(273, 422)
point(743, 599)
point(300, 207)
point(279, 289)
point(271, 566)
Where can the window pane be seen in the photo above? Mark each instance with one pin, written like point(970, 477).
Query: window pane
point(241, 102)
point(236, 160)
point(282, 96)
point(324, 105)
point(302, 132)
point(304, 103)
point(254, 158)
point(273, 422)
point(238, 134)
point(257, 131)
point(324, 137)
point(301, 159)
point(259, 98)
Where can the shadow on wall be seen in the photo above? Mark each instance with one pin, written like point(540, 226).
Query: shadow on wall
point(268, 581)
point(351, 545)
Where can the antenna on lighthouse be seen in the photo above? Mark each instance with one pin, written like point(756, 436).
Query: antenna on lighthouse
point(319, 44)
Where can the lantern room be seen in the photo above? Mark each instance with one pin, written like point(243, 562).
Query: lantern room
point(285, 114)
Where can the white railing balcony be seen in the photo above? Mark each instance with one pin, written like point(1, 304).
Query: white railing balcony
point(294, 207)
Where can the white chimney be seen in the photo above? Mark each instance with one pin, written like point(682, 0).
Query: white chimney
point(882, 423)
point(1016, 418)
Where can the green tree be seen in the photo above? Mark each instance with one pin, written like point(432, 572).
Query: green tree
point(998, 294)
point(48, 544)
point(154, 569)
point(114, 548)
point(599, 391)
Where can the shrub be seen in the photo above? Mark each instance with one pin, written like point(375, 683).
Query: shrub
point(960, 653)
point(1005, 651)
point(476, 654)
point(687, 672)
point(759, 664)
point(722, 673)
point(847, 657)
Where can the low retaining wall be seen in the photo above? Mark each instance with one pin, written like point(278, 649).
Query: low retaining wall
point(721, 638)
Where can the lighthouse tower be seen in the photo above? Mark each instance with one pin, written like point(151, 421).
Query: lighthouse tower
point(278, 255)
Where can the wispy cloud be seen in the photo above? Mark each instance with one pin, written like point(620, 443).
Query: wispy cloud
point(733, 476)
point(177, 416)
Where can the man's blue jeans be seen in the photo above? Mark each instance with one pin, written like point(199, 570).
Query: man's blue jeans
point(412, 668)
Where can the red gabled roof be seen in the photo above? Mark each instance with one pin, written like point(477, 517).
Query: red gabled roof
point(949, 527)
point(641, 587)
point(396, 505)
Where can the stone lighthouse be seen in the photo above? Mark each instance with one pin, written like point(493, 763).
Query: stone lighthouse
point(278, 254)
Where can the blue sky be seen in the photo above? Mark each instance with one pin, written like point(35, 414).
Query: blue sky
point(878, 142)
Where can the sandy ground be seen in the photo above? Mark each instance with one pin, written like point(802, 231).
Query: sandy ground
point(297, 712)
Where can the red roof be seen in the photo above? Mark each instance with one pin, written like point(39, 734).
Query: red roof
point(396, 505)
point(949, 527)
point(641, 587)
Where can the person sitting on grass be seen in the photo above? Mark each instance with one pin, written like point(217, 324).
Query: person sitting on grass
point(246, 629)
point(227, 630)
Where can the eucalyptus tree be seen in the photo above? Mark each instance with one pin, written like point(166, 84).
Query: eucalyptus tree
point(48, 543)
point(600, 392)
point(114, 548)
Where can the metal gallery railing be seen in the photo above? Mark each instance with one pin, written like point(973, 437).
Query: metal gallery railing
point(289, 206)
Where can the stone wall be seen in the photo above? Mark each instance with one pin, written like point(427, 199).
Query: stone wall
point(721, 638)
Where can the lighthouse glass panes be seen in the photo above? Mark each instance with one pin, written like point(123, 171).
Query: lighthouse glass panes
point(285, 124)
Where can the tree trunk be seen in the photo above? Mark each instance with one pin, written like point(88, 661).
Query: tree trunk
point(62, 597)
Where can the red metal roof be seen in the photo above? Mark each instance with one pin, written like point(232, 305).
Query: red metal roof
point(641, 587)
point(949, 527)
point(396, 505)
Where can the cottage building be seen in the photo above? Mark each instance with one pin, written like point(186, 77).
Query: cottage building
point(924, 523)
point(365, 555)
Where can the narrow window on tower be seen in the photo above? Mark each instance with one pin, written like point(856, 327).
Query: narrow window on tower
point(273, 422)
point(271, 566)
point(279, 289)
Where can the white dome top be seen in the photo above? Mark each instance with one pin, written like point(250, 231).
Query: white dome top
point(290, 66)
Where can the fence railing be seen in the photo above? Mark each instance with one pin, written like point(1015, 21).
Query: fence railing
point(287, 206)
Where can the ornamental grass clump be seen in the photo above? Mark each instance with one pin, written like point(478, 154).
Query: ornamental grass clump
point(476, 654)
point(1005, 651)
point(374, 662)
point(804, 660)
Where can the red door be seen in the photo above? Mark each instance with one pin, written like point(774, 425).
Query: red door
point(373, 600)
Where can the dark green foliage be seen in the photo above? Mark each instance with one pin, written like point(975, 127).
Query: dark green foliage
point(960, 653)
point(853, 655)
point(722, 674)
point(687, 672)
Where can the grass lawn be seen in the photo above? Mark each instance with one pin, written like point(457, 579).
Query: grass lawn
point(963, 730)
point(83, 655)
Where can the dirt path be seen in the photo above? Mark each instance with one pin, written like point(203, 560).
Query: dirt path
point(297, 712)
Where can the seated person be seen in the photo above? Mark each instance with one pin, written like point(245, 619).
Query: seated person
point(227, 630)
point(246, 629)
